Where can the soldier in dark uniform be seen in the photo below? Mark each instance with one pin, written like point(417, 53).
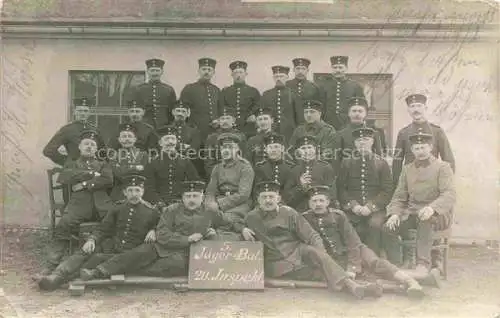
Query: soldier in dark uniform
point(365, 188)
point(358, 108)
point(344, 245)
point(242, 97)
point(229, 190)
point(188, 136)
point(90, 179)
point(441, 147)
point(338, 91)
point(314, 126)
point(203, 97)
point(287, 107)
point(308, 171)
point(226, 125)
point(276, 167)
point(180, 225)
point(69, 135)
point(255, 145)
point(166, 173)
point(126, 226)
point(145, 133)
point(292, 249)
point(423, 199)
point(303, 88)
point(157, 97)
point(127, 160)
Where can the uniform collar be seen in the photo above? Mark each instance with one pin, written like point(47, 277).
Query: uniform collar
point(271, 214)
point(315, 125)
point(156, 82)
point(424, 163)
point(87, 159)
point(191, 212)
point(231, 163)
point(239, 84)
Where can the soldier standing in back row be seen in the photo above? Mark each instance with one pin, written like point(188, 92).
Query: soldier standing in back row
point(303, 88)
point(338, 91)
point(286, 105)
point(441, 147)
point(242, 97)
point(156, 96)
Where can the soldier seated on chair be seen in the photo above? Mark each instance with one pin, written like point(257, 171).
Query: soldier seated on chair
point(292, 249)
point(180, 225)
point(229, 190)
point(423, 199)
point(125, 226)
point(126, 160)
point(365, 188)
point(344, 245)
point(90, 180)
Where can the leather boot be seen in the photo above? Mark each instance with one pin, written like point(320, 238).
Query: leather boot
point(354, 288)
point(51, 282)
point(45, 272)
point(413, 288)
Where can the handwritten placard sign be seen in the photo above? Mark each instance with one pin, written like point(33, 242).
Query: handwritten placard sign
point(226, 265)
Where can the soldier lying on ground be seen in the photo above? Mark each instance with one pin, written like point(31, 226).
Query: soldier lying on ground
point(89, 179)
point(292, 249)
point(229, 190)
point(180, 225)
point(344, 246)
point(127, 225)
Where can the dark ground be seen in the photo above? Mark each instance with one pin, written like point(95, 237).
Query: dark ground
point(473, 290)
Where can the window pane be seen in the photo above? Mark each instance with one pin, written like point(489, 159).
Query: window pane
point(107, 125)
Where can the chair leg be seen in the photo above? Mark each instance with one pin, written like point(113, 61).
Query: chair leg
point(445, 259)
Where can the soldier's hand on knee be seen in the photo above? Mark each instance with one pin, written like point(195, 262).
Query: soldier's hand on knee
point(195, 237)
point(248, 234)
point(351, 275)
point(150, 237)
point(365, 211)
point(89, 247)
point(393, 222)
point(425, 213)
point(210, 232)
point(357, 209)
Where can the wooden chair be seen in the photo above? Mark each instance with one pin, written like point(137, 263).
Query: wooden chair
point(55, 189)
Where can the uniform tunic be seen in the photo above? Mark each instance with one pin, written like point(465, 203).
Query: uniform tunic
point(345, 143)
point(337, 94)
point(203, 97)
point(321, 172)
point(324, 134)
point(292, 249)
point(231, 186)
point(402, 153)
point(270, 170)
point(165, 176)
point(145, 134)
point(187, 134)
point(126, 162)
point(287, 108)
point(69, 137)
point(305, 89)
point(125, 227)
point(158, 99)
point(244, 99)
point(344, 245)
point(255, 148)
point(212, 147)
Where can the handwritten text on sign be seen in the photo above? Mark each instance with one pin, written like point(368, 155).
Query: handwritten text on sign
point(226, 265)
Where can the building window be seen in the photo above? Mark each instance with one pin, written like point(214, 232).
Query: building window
point(108, 92)
point(378, 93)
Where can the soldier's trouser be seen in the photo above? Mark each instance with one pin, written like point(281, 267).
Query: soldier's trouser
point(224, 223)
point(374, 264)
point(424, 237)
point(369, 230)
point(319, 266)
point(129, 261)
point(72, 264)
point(176, 263)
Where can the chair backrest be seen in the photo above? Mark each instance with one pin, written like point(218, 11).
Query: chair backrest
point(52, 175)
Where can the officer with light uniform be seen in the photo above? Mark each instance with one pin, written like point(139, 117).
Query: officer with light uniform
point(286, 105)
point(417, 108)
point(157, 97)
point(242, 97)
point(338, 91)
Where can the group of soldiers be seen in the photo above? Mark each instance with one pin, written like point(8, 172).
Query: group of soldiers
point(297, 168)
